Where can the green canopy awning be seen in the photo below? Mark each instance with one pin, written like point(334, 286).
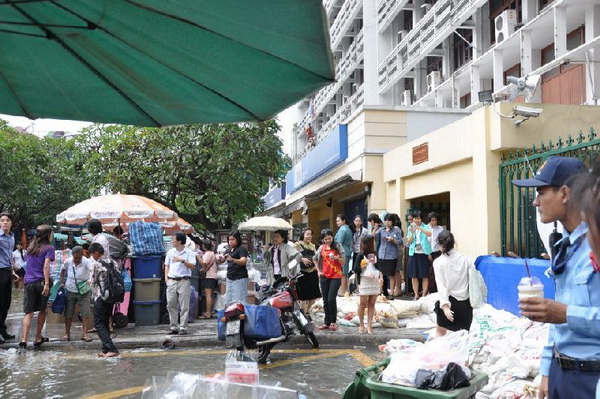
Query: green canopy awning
point(160, 62)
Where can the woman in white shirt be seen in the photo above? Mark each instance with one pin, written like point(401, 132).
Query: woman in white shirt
point(453, 310)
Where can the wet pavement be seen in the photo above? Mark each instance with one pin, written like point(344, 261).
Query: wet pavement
point(61, 369)
point(69, 373)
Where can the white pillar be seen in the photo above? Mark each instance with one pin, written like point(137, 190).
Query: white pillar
point(418, 11)
point(475, 83)
point(370, 40)
point(560, 31)
point(526, 52)
point(498, 70)
point(528, 10)
point(446, 59)
point(477, 34)
point(592, 30)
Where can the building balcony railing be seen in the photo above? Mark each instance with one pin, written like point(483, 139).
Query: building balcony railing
point(339, 117)
point(441, 20)
point(343, 113)
point(351, 60)
point(328, 5)
point(387, 11)
point(343, 21)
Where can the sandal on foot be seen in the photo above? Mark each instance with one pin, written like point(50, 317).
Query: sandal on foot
point(361, 330)
point(323, 327)
point(66, 338)
point(37, 344)
point(333, 327)
point(111, 354)
point(86, 339)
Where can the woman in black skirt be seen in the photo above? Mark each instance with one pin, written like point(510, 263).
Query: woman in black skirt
point(453, 310)
point(308, 284)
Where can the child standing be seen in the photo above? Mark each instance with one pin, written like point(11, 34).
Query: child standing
point(369, 280)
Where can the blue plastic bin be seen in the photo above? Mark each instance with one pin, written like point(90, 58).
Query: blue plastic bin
point(147, 313)
point(147, 267)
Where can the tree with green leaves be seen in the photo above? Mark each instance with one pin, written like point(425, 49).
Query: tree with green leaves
point(213, 176)
point(38, 177)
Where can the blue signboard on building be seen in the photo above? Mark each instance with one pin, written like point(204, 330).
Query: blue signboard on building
point(331, 151)
point(274, 196)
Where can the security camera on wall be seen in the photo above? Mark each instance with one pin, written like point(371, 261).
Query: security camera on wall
point(527, 112)
point(524, 86)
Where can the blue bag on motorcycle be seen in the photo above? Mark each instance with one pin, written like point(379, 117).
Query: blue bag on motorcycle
point(220, 325)
point(262, 322)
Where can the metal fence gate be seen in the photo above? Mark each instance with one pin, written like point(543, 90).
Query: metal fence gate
point(518, 215)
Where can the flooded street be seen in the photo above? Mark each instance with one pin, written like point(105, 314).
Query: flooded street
point(73, 373)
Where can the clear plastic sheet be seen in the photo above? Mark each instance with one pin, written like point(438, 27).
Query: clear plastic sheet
point(188, 386)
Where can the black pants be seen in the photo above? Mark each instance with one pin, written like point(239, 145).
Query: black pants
point(102, 312)
point(567, 384)
point(6, 283)
point(329, 290)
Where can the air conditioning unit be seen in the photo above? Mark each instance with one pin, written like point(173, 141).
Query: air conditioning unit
point(407, 98)
point(505, 24)
point(433, 80)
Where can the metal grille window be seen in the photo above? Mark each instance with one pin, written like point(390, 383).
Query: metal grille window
point(517, 214)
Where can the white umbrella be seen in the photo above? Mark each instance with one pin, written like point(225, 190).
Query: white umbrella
point(119, 208)
point(265, 223)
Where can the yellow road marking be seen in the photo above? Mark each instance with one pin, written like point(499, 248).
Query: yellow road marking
point(361, 358)
point(328, 353)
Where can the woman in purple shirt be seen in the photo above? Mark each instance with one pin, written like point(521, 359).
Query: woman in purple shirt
point(37, 283)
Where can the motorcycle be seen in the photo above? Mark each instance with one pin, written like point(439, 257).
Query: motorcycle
point(283, 296)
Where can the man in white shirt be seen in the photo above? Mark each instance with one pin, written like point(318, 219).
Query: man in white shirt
point(179, 264)
point(78, 270)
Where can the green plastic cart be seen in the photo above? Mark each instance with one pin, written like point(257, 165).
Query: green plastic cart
point(365, 386)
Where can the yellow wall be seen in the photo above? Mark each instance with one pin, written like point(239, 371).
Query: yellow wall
point(464, 159)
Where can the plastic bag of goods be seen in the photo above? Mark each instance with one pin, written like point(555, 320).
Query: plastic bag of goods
point(241, 368)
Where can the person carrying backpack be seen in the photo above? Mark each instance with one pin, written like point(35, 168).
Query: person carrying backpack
point(108, 290)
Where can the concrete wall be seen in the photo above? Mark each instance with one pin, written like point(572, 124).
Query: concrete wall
point(423, 122)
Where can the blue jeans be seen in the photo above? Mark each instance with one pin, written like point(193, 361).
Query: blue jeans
point(237, 290)
point(329, 290)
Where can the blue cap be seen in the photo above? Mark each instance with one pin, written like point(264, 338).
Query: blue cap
point(556, 171)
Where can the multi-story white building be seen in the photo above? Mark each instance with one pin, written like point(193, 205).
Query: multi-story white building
point(408, 70)
point(442, 53)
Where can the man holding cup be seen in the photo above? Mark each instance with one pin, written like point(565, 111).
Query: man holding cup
point(570, 365)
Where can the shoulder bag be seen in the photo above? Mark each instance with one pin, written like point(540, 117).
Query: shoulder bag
point(82, 287)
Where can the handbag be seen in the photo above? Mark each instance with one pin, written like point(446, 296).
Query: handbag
point(82, 287)
point(60, 301)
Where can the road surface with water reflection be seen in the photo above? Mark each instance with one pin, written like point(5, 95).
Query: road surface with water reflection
point(73, 373)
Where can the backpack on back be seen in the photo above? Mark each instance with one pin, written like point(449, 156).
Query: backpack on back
point(118, 249)
point(114, 288)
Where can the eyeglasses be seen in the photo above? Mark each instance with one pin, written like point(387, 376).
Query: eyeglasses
point(560, 261)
